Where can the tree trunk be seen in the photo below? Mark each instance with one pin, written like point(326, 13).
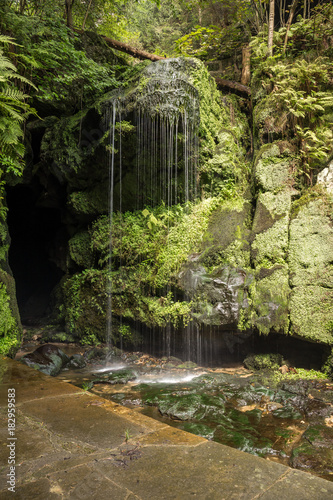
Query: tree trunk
point(271, 27)
point(86, 16)
point(246, 65)
point(290, 20)
point(69, 12)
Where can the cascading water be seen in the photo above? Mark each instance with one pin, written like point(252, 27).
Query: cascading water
point(164, 109)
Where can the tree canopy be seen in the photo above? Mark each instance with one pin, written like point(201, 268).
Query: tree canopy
point(50, 50)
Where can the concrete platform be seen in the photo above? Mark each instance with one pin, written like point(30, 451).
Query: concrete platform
point(71, 444)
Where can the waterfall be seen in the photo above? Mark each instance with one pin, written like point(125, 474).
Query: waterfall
point(165, 114)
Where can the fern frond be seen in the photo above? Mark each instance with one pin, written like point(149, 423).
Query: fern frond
point(8, 39)
point(8, 109)
point(13, 94)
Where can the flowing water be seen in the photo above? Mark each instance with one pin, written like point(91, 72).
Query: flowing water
point(165, 115)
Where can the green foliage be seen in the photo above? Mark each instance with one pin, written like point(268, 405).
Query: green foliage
point(9, 332)
point(125, 333)
point(146, 256)
point(52, 55)
point(155, 27)
point(13, 112)
point(84, 305)
point(79, 249)
point(310, 36)
point(298, 92)
point(86, 386)
point(327, 367)
point(263, 361)
point(300, 374)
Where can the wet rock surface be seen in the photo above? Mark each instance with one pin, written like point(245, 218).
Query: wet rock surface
point(47, 358)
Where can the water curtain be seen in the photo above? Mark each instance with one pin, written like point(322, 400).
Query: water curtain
point(164, 111)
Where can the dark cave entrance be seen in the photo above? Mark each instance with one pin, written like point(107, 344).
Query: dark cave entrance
point(37, 254)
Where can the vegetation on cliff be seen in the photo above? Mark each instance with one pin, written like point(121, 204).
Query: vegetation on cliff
point(259, 160)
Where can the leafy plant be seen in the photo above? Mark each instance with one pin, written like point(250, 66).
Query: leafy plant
point(9, 332)
point(14, 110)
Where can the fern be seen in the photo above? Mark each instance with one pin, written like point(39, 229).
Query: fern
point(13, 111)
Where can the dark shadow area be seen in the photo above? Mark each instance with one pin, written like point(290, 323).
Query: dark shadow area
point(37, 250)
point(215, 346)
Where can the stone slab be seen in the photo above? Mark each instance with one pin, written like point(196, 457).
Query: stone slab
point(207, 471)
point(72, 445)
point(79, 418)
point(29, 384)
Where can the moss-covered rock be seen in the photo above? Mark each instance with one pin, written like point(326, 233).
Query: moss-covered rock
point(263, 361)
point(314, 450)
point(84, 306)
point(311, 271)
point(227, 238)
point(47, 358)
point(311, 245)
point(10, 323)
point(311, 313)
point(80, 249)
point(273, 166)
point(269, 293)
point(269, 297)
point(267, 127)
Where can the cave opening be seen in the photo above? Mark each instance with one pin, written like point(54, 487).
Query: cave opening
point(37, 253)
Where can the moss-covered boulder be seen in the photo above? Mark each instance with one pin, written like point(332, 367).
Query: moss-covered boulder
point(47, 358)
point(263, 361)
point(311, 271)
point(270, 228)
point(80, 249)
point(269, 296)
point(269, 293)
point(84, 306)
point(273, 165)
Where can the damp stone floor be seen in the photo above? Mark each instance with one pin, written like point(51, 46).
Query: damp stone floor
point(67, 443)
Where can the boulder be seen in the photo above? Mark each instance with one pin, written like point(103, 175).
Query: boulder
point(47, 358)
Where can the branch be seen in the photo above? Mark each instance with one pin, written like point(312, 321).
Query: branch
point(243, 89)
point(123, 47)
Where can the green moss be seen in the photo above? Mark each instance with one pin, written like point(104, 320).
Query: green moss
point(271, 228)
point(92, 201)
point(263, 361)
point(311, 313)
point(84, 305)
point(226, 240)
point(273, 166)
point(10, 331)
point(271, 245)
point(80, 249)
point(311, 194)
point(269, 302)
point(311, 246)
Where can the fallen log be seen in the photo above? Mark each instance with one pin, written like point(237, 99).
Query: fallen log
point(142, 54)
point(124, 47)
point(232, 85)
